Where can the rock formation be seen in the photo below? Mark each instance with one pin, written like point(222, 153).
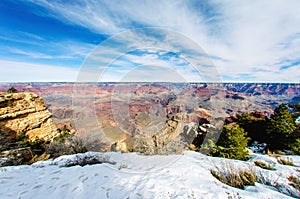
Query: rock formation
point(25, 113)
point(24, 118)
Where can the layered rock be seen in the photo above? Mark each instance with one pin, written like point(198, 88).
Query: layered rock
point(25, 114)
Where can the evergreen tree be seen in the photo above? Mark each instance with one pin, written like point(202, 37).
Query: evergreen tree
point(296, 107)
point(255, 127)
point(232, 143)
point(294, 141)
point(280, 128)
point(12, 90)
point(295, 137)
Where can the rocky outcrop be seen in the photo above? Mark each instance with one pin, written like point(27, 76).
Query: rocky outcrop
point(25, 124)
point(165, 141)
point(25, 114)
point(119, 146)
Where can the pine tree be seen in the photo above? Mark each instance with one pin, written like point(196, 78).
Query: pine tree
point(232, 143)
point(280, 128)
point(295, 137)
point(12, 90)
point(294, 141)
point(255, 127)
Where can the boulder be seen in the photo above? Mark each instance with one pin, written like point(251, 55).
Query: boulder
point(119, 147)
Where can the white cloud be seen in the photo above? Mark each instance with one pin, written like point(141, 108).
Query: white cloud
point(33, 54)
point(245, 35)
point(12, 71)
point(150, 67)
point(255, 32)
point(54, 50)
point(149, 50)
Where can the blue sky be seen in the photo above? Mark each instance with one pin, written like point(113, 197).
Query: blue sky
point(245, 41)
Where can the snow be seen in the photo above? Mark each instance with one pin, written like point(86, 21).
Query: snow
point(130, 175)
point(298, 120)
point(258, 147)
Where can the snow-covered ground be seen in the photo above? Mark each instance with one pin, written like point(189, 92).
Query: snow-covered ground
point(137, 176)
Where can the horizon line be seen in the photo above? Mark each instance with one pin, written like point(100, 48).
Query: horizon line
point(126, 82)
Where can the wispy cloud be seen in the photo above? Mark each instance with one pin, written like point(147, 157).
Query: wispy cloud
point(149, 66)
point(151, 47)
point(64, 52)
point(21, 37)
point(246, 40)
point(256, 34)
point(31, 54)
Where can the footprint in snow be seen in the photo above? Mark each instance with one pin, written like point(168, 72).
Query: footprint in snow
point(56, 172)
point(38, 186)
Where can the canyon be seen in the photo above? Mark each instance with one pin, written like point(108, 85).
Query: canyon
point(122, 112)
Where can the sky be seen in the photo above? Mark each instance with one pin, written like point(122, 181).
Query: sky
point(153, 40)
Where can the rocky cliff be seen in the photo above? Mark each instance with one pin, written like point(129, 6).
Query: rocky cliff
point(24, 115)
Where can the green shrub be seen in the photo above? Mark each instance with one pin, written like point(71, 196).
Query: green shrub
point(264, 165)
point(12, 90)
point(37, 145)
point(64, 133)
point(21, 136)
point(232, 143)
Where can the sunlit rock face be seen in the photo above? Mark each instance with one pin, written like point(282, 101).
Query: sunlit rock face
point(25, 113)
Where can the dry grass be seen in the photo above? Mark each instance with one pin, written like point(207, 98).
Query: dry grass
point(294, 182)
point(234, 177)
point(67, 146)
point(285, 161)
point(89, 161)
point(264, 165)
point(282, 187)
